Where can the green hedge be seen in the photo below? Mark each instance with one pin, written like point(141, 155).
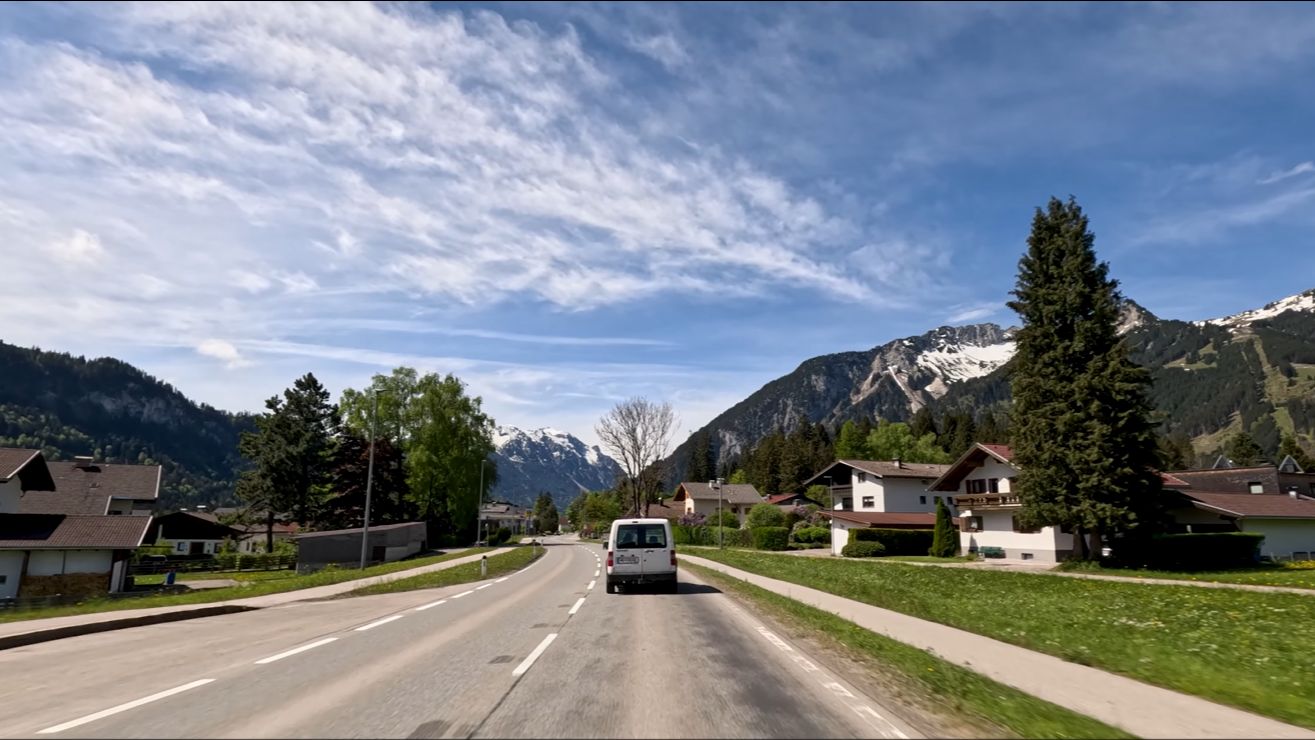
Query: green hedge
point(811, 535)
point(896, 541)
point(1204, 551)
point(707, 536)
point(862, 549)
point(771, 538)
point(766, 515)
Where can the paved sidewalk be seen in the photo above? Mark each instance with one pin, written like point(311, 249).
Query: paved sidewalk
point(38, 630)
point(1045, 569)
point(1139, 708)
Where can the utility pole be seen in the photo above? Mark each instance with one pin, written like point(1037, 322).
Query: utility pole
point(369, 475)
point(721, 529)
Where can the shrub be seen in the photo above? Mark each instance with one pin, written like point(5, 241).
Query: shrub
point(766, 515)
point(728, 519)
point(734, 536)
point(692, 520)
point(863, 549)
point(812, 535)
point(1204, 551)
point(770, 538)
point(896, 541)
point(945, 540)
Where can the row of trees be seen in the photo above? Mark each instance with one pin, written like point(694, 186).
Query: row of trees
point(310, 457)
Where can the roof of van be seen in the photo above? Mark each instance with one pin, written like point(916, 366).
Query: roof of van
point(650, 520)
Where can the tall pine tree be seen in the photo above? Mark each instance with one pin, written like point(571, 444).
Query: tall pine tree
point(1289, 446)
point(1242, 450)
point(1081, 422)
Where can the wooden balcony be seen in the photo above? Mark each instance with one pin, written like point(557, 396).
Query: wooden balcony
point(977, 501)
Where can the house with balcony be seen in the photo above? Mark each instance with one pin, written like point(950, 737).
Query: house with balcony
point(69, 528)
point(702, 498)
point(888, 494)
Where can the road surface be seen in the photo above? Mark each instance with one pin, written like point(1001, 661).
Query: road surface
point(541, 653)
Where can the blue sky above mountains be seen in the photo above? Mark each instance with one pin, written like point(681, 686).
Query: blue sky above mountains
point(569, 204)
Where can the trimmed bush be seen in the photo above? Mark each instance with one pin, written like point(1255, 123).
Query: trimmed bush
point(1204, 551)
point(896, 541)
point(811, 535)
point(945, 541)
point(727, 519)
point(766, 515)
point(770, 538)
point(735, 537)
point(863, 549)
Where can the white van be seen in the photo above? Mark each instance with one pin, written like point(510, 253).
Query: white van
point(641, 551)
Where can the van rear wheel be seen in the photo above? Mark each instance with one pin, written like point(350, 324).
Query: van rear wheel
point(611, 587)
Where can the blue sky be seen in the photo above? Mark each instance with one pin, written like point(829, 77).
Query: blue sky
point(567, 205)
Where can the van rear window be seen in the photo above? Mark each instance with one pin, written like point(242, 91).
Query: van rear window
point(634, 536)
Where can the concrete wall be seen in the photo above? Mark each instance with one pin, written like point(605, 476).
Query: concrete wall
point(11, 571)
point(840, 534)
point(1283, 536)
point(346, 548)
point(10, 490)
point(1048, 545)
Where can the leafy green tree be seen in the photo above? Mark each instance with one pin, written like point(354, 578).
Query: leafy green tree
point(726, 519)
point(1083, 436)
point(1243, 450)
point(850, 443)
point(766, 515)
point(1289, 446)
point(739, 476)
point(894, 441)
point(292, 453)
point(448, 454)
point(945, 539)
point(819, 493)
point(600, 509)
point(545, 514)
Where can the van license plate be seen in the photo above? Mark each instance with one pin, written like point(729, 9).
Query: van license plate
point(627, 559)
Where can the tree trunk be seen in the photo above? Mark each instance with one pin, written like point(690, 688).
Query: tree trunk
point(269, 530)
point(1080, 544)
point(1097, 545)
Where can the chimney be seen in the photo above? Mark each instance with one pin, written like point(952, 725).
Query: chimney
point(84, 462)
point(898, 464)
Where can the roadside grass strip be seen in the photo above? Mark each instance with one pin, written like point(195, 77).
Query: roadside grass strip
point(241, 591)
point(1288, 575)
point(1246, 649)
point(498, 565)
point(987, 705)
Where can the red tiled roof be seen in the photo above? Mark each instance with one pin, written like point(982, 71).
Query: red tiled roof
point(887, 519)
point(47, 531)
point(1172, 481)
point(1255, 505)
point(1004, 452)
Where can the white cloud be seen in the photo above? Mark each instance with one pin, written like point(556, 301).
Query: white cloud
point(963, 314)
point(222, 350)
point(80, 247)
point(1299, 169)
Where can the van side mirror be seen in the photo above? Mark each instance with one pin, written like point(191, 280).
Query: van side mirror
point(604, 544)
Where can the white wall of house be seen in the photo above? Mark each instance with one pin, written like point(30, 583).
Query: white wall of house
point(708, 508)
point(840, 534)
point(11, 570)
point(1283, 536)
point(10, 491)
point(208, 547)
point(1048, 545)
point(58, 562)
point(992, 468)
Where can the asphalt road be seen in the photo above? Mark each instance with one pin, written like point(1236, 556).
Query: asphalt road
point(541, 653)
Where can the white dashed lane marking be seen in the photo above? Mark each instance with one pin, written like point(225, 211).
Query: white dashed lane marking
point(577, 606)
point(294, 651)
point(431, 605)
point(534, 655)
point(376, 623)
point(124, 707)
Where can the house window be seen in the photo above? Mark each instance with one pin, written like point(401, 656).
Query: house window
point(1255, 486)
point(862, 478)
point(1020, 529)
point(847, 504)
point(180, 547)
point(922, 499)
point(869, 502)
point(977, 485)
point(1027, 556)
point(993, 485)
point(974, 524)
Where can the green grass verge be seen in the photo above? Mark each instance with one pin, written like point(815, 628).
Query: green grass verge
point(466, 573)
point(1243, 648)
point(984, 703)
point(930, 559)
point(219, 575)
point(241, 591)
point(1272, 575)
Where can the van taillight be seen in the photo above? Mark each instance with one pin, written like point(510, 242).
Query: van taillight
point(673, 558)
point(609, 558)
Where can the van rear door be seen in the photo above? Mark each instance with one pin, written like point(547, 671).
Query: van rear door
point(628, 548)
point(656, 558)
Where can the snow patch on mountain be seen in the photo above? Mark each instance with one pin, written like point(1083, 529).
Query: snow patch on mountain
point(532, 461)
point(1300, 302)
point(953, 362)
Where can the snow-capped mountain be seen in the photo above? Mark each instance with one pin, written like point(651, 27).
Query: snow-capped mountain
point(537, 460)
point(1301, 302)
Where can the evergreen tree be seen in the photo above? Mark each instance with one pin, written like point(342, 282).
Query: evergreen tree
point(945, 538)
point(850, 443)
point(700, 466)
point(1170, 455)
point(797, 456)
point(348, 481)
point(1242, 450)
point(824, 452)
point(1082, 431)
point(990, 430)
point(545, 514)
point(961, 431)
point(1289, 446)
point(922, 423)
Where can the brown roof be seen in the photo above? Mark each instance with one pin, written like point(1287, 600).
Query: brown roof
point(970, 459)
point(666, 510)
point(1172, 481)
point(86, 489)
point(1254, 505)
point(1004, 452)
point(887, 519)
point(47, 531)
point(734, 493)
point(891, 469)
point(30, 467)
point(13, 460)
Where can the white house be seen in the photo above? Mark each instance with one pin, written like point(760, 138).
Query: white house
point(981, 480)
point(192, 533)
point(64, 534)
point(889, 494)
point(701, 498)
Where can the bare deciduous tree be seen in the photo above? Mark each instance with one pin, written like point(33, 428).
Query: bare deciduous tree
point(637, 432)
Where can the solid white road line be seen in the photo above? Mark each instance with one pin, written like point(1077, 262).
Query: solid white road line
point(882, 724)
point(596, 573)
point(577, 606)
point(124, 707)
point(294, 651)
point(431, 605)
point(534, 655)
point(500, 580)
point(481, 588)
point(374, 624)
point(464, 593)
point(591, 585)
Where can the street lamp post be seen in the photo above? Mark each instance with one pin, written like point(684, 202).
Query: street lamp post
point(479, 508)
point(369, 474)
point(721, 529)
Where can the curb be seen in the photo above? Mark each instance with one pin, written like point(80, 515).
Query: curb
point(109, 625)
